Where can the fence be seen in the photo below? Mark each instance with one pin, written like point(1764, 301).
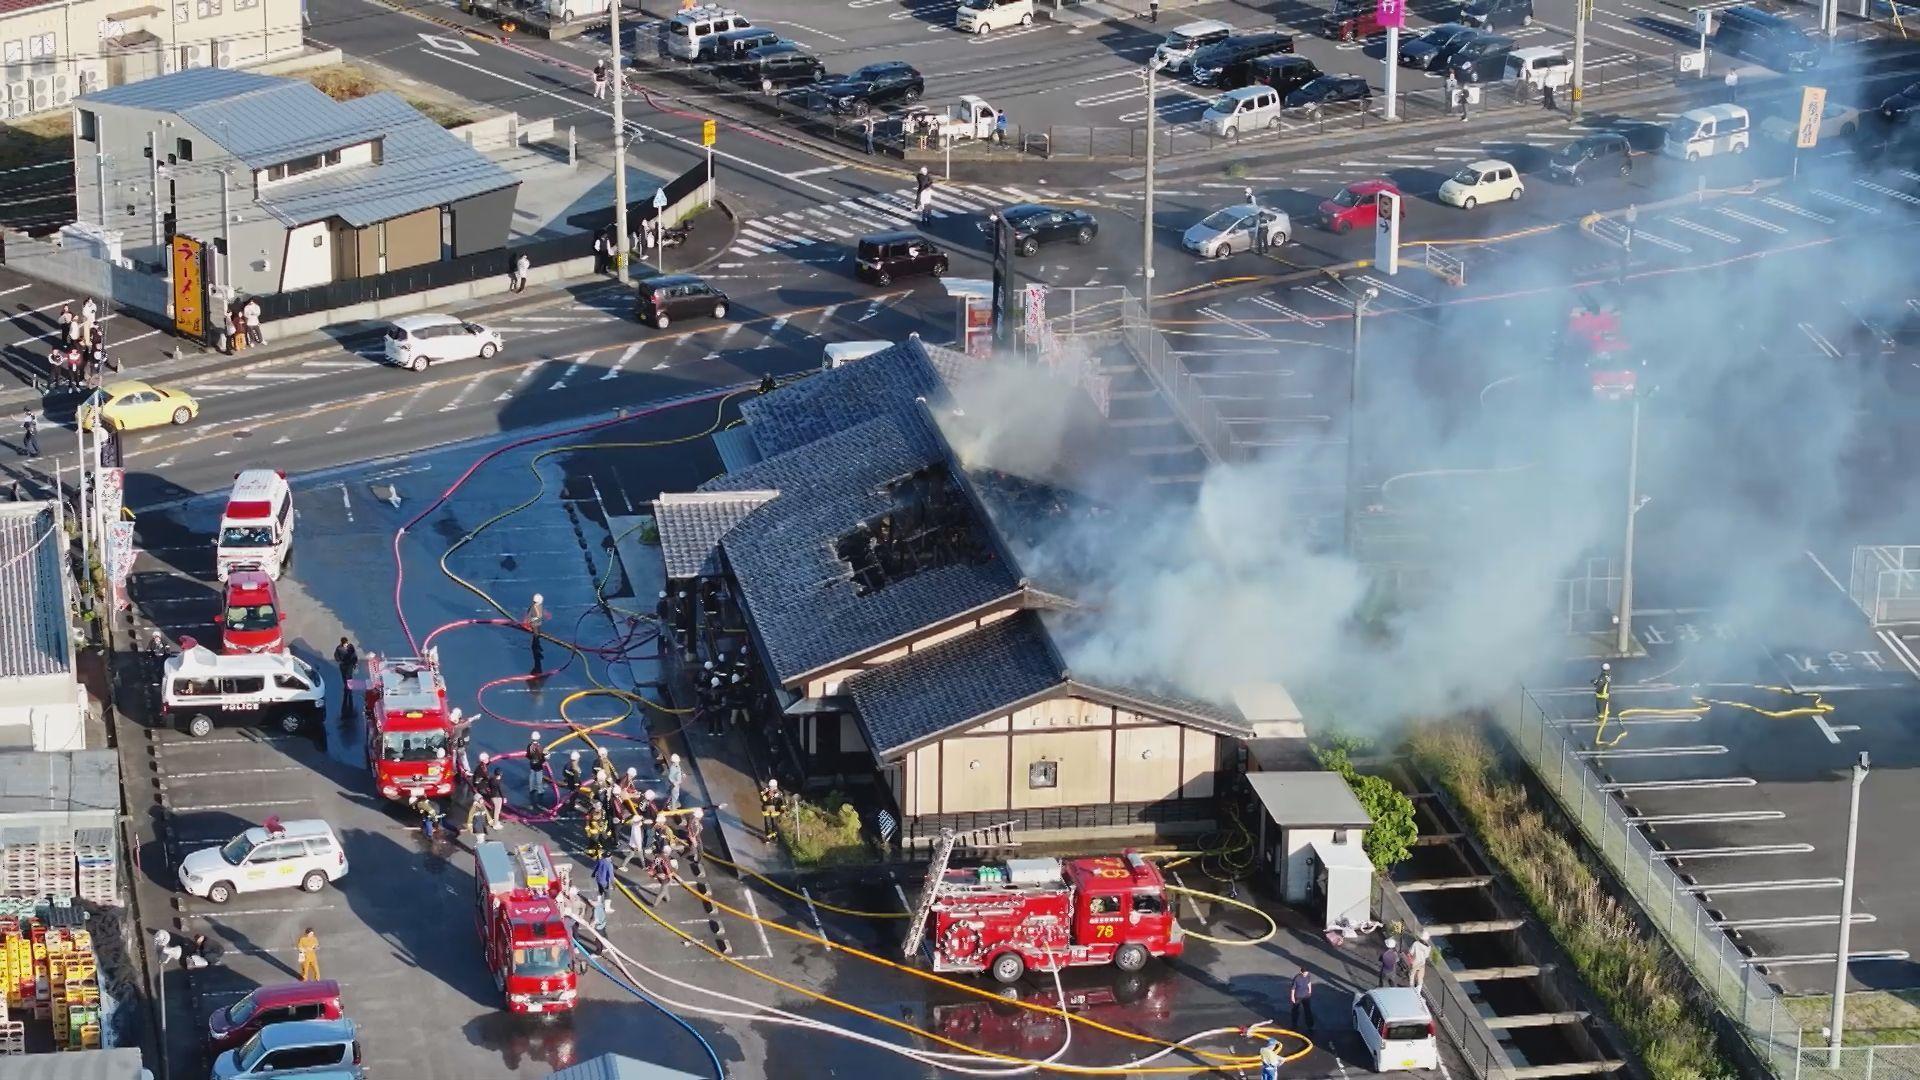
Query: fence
point(1885, 583)
point(1203, 421)
point(1753, 1006)
point(1485, 1057)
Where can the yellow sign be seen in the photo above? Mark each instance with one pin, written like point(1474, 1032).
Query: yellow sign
point(189, 288)
point(706, 133)
point(1813, 102)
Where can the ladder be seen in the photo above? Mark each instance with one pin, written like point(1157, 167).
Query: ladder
point(929, 892)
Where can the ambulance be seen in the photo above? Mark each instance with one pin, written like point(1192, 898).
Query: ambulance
point(256, 528)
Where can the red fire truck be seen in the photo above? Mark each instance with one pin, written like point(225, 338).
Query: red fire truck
point(409, 732)
point(526, 941)
point(1042, 914)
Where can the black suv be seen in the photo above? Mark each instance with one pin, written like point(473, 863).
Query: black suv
point(660, 300)
point(1496, 14)
point(883, 257)
point(1227, 64)
point(859, 92)
point(1284, 74)
point(1592, 155)
point(1034, 224)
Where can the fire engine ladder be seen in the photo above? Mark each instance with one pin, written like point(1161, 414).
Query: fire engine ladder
point(929, 892)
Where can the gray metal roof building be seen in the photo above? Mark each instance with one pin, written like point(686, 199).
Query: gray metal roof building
point(34, 630)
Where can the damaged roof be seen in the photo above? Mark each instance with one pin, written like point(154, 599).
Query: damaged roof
point(692, 524)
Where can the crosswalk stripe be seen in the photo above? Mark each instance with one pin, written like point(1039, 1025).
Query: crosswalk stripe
point(1725, 238)
point(1844, 201)
point(1790, 208)
point(1892, 193)
point(1749, 219)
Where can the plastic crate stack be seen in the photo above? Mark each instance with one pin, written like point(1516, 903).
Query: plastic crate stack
point(73, 989)
point(94, 856)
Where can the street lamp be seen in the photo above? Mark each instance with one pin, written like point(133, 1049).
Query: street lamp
point(1624, 644)
point(1360, 302)
point(1860, 767)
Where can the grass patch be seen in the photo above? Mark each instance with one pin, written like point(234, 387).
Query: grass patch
point(1873, 1016)
point(1645, 989)
point(346, 82)
point(818, 836)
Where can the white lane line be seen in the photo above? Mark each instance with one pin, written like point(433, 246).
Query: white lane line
point(632, 350)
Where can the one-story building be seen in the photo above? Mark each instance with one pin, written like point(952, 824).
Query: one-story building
point(879, 572)
point(298, 189)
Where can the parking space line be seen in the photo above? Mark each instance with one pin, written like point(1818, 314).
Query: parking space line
point(1736, 851)
point(1718, 817)
point(1653, 751)
point(1782, 885)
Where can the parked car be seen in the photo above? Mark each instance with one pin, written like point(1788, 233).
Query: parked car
point(282, 1048)
point(278, 855)
point(1035, 224)
point(884, 257)
point(1283, 74)
point(1351, 20)
point(1484, 181)
point(1354, 207)
point(1837, 121)
point(1496, 14)
point(1235, 229)
point(1422, 52)
point(1595, 154)
point(416, 341)
point(660, 300)
point(876, 85)
point(131, 405)
point(280, 1003)
point(1396, 1029)
point(1329, 90)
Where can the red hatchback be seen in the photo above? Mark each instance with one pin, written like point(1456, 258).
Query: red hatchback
point(250, 620)
point(236, 1023)
point(1354, 208)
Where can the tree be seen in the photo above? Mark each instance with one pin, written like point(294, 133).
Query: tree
point(1390, 838)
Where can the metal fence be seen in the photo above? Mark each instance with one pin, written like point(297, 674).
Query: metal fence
point(1885, 582)
point(1484, 1055)
point(1757, 1012)
point(1149, 347)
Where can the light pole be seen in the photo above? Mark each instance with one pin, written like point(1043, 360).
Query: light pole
point(1839, 1017)
point(1360, 302)
point(1624, 644)
point(1146, 237)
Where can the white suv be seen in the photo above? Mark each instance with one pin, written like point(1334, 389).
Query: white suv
point(414, 341)
point(279, 855)
point(200, 688)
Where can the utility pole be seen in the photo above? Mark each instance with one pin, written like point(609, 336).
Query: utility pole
point(1360, 302)
point(1624, 644)
point(1581, 9)
point(1146, 255)
point(619, 150)
point(1839, 1017)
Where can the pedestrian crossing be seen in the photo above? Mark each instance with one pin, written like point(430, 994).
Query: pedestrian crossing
point(845, 221)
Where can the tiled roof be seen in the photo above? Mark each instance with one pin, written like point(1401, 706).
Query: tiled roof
point(956, 682)
point(836, 400)
point(799, 594)
point(33, 608)
point(692, 524)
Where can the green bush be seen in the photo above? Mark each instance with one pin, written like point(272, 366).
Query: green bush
point(816, 836)
point(1390, 838)
point(1647, 992)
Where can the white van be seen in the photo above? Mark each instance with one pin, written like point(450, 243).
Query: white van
point(691, 32)
point(1176, 52)
point(1248, 108)
point(1540, 65)
point(1699, 133)
point(842, 353)
point(980, 16)
point(256, 528)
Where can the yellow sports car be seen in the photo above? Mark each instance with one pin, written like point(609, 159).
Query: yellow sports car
point(126, 406)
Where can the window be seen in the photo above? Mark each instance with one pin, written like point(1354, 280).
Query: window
point(1043, 774)
point(89, 125)
point(183, 149)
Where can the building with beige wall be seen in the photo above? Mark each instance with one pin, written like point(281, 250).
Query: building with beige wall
point(52, 51)
point(907, 644)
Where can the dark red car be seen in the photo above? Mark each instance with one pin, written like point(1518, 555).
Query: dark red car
point(277, 1004)
point(1354, 207)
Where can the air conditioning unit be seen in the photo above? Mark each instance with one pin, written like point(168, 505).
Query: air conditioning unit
point(223, 54)
point(62, 88)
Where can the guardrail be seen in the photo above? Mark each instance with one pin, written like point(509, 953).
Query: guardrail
point(1203, 421)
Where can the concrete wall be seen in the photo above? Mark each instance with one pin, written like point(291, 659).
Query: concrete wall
point(70, 46)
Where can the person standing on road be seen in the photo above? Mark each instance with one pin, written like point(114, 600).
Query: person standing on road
point(348, 659)
point(30, 433)
point(536, 768)
point(1300, 995)
point(309, 947)
point(536, 617)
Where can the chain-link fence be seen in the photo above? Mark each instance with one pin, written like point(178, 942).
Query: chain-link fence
point(1674, 907)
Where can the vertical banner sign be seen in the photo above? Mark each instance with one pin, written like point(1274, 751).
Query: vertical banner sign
point(1034, 305)
point(119, 560)
point(189, 288)
point(1391, 13)
point(1386, 232)
point(1813, 102)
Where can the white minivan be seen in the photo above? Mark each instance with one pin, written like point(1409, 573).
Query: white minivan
point(980, 16)
point(1177, 50)
point(256, 527)
point(1237, 112)
point(1397, 1029)
point(1703, 132)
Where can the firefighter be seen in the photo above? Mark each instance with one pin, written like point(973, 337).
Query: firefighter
point(570, 777)
point(1603, 693)
point(536, 768)
point(773, 805)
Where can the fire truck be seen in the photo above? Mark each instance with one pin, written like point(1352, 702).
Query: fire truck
point(409, 733)
point(526, 941)
point(1024, 915)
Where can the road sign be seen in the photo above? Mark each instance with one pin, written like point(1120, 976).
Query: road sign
point(1386, 232)
point(659, 198)
point(706, 132)
point(1813, 102)
point(1391, 13)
